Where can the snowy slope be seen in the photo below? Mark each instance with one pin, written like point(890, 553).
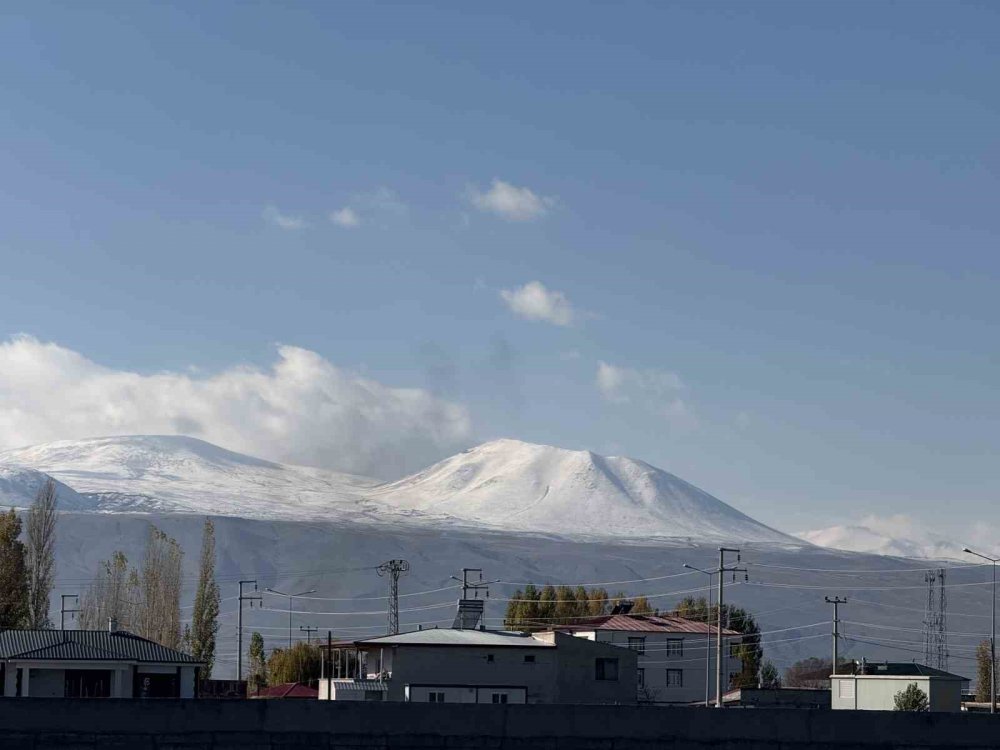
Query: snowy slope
point(516, 486)
point(505, 485)
point(175, 474)
point(19, 487)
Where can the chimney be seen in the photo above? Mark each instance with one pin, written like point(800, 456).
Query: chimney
point(112, 625)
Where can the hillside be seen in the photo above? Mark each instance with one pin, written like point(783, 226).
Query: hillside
point(517, 486)
point(505, 485)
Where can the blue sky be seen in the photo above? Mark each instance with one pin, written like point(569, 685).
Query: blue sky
point(774, 223)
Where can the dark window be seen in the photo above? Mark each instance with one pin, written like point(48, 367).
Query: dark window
point(606, 669)
point(675, 647)
point(675, 678)
point(499, 697)
point(489, 658)
point(529, 658)
point(87, 683)
point(155, 686)
point(641, 675)
point(637, 644)
point(436, 697)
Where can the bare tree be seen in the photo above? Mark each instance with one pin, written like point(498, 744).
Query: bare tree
point(113, 595)
point(159, 616)
point(39, 554)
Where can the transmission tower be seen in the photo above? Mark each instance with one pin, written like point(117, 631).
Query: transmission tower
point(393, 569)
point(935, 620)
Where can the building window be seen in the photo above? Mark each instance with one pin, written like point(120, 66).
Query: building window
point(641, 677)
point(637, 644)
point(675, 678)
point(489, 658)
point(435, 697)
point(529, 658)
point(499, 697)
point(675, 647)
point(606, 669)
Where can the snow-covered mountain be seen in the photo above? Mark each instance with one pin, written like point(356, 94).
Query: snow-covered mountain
point(517, 486)
point(505, 485)
point(884, 537)
point(19, 486)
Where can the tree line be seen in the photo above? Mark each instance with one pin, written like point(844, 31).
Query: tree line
point(144, 600)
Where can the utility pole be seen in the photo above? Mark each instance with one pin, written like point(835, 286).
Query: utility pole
point(393, 569)
point(993, 631)
point(474, 586)
point(290, 597)
point(836, 602)
point(718, 653)
point(63, 611)
point(708, 633)
point(308, 631)
point(239, 624)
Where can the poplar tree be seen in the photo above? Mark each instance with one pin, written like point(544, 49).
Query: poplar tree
point(40, 554)
point(159, 616)
point(983, 672)
point(14, 610)
point(205, 621)
point(258, 662)
point(112, 595)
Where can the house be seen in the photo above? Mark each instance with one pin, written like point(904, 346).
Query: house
point(872, 686)
point(475, 665)
point(287, 690)
point(677, 656)
point(93, 664)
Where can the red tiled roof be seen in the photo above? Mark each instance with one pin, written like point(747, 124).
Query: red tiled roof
point(647, 624)
point(288, 690)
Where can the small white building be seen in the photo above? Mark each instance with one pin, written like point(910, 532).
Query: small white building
point(463, 665)
point(874, 685)
point(674, 653)
point(93, 664)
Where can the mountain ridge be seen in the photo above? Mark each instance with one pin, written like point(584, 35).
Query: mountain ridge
point(502, 485)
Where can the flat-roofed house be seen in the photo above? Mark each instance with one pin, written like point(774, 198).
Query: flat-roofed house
point(674, 653)
point(872, 686)
point(93, 664)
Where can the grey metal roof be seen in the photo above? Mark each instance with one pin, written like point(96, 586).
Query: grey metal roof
point(86, 645)
point(902, 669)
point(455, 637)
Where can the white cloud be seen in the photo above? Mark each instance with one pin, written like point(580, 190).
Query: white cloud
point(345, 217)
point(301, 409)
point(510, 202)
point(284, 221)
point(655, 390)
point(535, 302)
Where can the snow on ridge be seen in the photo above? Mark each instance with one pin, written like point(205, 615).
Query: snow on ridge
point(504, 485)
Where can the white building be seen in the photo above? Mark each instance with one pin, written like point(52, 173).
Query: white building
point(455, 665)
point(874, 685)
point(92, 664)
point(674, 654)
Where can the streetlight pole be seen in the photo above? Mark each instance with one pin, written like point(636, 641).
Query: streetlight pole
point(290, 596)
point(993, 630)
point(708, 634)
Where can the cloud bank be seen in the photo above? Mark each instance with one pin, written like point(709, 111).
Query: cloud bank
point(281, 220)
point(510, 202)
point(534, 301)
point(302, 409)
point(655, 390)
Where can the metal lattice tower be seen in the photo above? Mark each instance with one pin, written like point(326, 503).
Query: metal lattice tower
point(935, 620)
point(393, 569)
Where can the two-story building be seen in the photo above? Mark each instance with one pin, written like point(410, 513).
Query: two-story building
point(475, 665)
point(676, 656)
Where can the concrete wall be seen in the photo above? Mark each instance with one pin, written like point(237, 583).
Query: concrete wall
point(51, 724)
point(576, 680)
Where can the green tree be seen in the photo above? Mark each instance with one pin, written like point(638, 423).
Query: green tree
point(258, 663)
point(983, 672)
point(14, 606)
point(547, 604)
point(911, 698)
point(769, 676)
point(39, 556)
point(300, 663)
point(598, 602)
point(205, 620)
point(513, 617)
point(748, 650)
point(565, 610)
